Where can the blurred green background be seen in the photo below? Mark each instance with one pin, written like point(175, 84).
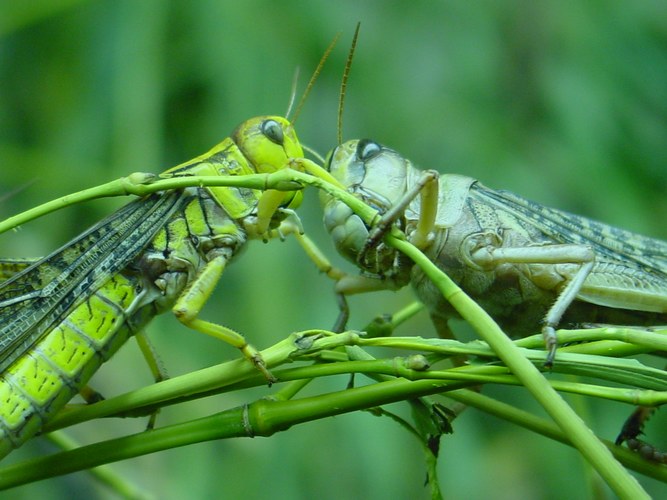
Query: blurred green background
point(562, 102)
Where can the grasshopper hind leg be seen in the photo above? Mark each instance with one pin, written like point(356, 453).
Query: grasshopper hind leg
point(156, 366)
point(487, 251)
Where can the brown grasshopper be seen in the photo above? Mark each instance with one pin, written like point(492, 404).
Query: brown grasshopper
point(529, 266)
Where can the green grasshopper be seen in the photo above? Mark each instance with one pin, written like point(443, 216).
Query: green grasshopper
point(62, 316)
point(530, 267)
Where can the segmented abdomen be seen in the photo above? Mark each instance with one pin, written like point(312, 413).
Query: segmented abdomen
point(42, 381)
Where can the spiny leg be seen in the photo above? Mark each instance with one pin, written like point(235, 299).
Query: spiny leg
point(559, 307)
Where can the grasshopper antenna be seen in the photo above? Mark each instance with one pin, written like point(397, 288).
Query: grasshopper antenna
point(317, 72)
point(343, 83)
point(292, 95)
point(17, 190)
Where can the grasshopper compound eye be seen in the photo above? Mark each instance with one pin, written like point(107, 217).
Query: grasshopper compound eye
point(273, 131)
point(367, 149)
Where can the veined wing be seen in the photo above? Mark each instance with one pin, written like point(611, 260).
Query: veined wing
point(32, 301)
point(630, 270)
point(563, 227)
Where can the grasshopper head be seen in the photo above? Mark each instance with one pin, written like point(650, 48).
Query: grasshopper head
point(378, 176)
point(374, 173)
point(260, 145)
point(268, 142)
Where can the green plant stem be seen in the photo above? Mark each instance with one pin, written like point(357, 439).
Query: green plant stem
point(266, 417)
point(239, 374)
point(616, 476)
point(105, 475)
point(546, 428)
point(142, 184)
point(261, 418)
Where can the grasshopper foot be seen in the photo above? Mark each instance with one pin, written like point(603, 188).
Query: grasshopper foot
point(256, 358)
point(551, 344)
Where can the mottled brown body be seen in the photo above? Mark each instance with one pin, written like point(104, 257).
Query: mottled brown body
point(518, 296)
point(529, 266)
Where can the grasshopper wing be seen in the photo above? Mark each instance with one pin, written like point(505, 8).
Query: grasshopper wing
point(38, 297)
point(630, 270)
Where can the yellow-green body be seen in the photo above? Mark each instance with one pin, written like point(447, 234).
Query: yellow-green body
point(45, 378)
point(63, 316)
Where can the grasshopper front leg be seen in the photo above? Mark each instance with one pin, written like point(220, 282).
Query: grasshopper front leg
point(193, 298)
point(365, 245)
point(426, 188)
